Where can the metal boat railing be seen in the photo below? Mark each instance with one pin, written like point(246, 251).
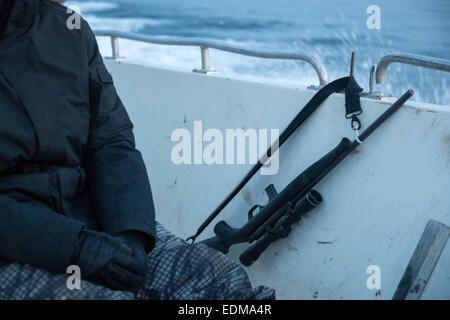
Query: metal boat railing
point(411, 59)
point(204, 47)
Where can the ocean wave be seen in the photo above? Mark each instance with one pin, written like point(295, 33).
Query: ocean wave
point(92, 6)
point(121, 24)
point(324, 32)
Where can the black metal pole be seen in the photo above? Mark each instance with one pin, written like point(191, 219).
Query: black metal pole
point(363, 136)
point(392, 109)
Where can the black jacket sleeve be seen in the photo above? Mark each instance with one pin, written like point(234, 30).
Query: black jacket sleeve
point(117, 177)
point(32, 233)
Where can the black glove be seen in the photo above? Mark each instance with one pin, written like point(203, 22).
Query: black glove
point(109, 261)
point(136, 241)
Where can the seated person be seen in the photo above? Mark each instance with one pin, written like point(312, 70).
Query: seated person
point(73, 187)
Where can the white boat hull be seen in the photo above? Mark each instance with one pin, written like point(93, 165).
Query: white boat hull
point(376, 203)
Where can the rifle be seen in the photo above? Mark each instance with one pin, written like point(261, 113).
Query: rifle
point(335, 86)
point(274, 220)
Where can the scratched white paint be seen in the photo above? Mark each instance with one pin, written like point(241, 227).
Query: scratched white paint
point(376, 203)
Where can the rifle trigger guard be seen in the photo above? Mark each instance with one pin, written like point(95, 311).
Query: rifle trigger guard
point(250, 212)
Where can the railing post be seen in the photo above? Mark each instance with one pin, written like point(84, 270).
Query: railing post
point(206, 67)
point(371, 93)
point(372, 70)
point(205, 58)
point(115, 49)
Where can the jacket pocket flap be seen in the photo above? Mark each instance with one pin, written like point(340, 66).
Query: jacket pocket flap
point(103, 74)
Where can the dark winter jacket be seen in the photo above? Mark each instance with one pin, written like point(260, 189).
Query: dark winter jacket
point(67, 151)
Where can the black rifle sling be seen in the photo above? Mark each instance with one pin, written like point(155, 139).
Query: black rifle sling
point(320, 96)
point(352, 103)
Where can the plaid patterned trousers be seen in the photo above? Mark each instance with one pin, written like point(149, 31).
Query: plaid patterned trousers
point(177, 270)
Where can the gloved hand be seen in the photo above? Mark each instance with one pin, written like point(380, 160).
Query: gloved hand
point(136, 241)
point(109, 260)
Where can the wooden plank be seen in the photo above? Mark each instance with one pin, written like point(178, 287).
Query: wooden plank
point(423, 261)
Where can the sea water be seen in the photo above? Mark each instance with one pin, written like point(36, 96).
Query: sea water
point(327, 29)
